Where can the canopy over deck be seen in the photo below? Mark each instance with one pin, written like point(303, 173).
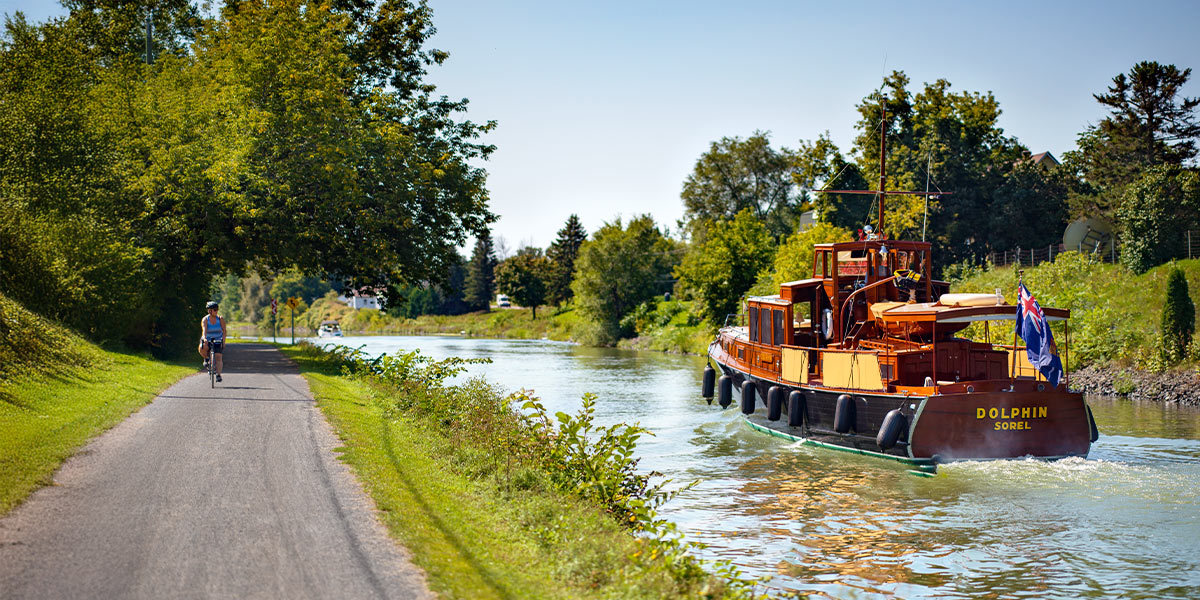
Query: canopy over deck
point(929, 311)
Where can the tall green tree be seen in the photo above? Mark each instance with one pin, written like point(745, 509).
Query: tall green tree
point(481, 273)
point(1149, 124)
point(621, 267)
point(524, 277)
point(718, 270)
point(736, 174)
point(562, 254)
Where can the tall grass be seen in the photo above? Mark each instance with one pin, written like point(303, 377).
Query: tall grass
point(513, 445)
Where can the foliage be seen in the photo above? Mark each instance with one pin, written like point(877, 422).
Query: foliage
point(481, 278)
point(1149, 124)
point(287, 135)
point(720, 269)
point(1029, 208)
point(619, 268)
point(562, 254)
point(820, 165)
point(291, 283)
point(1156, 211)
point(737, 175)
point(794, 259)
point(512, 442)
point(954, 141)
point(524, 277)
point(1178, 318)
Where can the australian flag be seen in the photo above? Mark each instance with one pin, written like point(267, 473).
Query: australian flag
point(1039, 342)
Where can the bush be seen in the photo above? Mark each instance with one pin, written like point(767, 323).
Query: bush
point(1178, 318)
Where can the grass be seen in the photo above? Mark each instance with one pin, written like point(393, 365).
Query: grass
point(481, 523)
point(60, 393)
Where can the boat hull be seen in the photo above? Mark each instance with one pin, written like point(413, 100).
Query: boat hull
point(1045, 424)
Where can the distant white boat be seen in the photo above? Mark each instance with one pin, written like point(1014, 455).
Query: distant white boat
point(329, 329)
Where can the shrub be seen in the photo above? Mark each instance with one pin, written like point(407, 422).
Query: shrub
point(1178, 318)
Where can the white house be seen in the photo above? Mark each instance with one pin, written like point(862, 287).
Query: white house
point(356, 302)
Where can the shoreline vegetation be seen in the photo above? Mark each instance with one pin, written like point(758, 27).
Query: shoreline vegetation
point(459, 472)
point(1115, 346)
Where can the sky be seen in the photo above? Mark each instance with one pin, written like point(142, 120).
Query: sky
point(603, 108)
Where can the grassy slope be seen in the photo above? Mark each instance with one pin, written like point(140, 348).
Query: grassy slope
point(1115, 314)
point(477, 535)
point(57, 391)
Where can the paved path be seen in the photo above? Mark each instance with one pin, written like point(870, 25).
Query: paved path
point(231, 492)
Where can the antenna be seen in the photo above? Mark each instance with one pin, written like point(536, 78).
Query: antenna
point(925, 220)
point(1088, 234)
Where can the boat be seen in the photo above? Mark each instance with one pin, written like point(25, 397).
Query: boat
point(329, 329)
point(866, 356)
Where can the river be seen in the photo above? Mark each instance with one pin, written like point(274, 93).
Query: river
point(1125, 522)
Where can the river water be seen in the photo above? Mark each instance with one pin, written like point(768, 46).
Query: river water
point(1125, 522)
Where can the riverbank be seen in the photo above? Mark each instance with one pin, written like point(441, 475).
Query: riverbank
point(57, 392)
point(663, 326)
point(493, 502)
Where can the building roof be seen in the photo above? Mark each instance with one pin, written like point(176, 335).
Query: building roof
point(1044, 158)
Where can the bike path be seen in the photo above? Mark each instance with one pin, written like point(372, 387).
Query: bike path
point(232, 492)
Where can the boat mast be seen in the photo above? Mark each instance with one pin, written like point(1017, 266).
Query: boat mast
point(882, 159)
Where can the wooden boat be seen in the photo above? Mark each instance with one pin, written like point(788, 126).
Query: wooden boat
point(864, 356)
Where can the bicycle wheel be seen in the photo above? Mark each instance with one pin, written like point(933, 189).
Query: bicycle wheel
point(212, 368)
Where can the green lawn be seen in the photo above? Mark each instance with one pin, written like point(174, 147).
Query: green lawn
point(44, 419)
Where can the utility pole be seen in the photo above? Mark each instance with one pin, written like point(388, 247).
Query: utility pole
point(149, 31)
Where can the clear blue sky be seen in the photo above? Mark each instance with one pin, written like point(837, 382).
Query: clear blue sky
point(604, 107)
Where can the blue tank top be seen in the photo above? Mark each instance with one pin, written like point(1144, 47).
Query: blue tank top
point(212, 329)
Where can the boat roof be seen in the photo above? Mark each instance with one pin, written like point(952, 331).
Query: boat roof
point(931, 311)
point(329, 322)
point(775, 299)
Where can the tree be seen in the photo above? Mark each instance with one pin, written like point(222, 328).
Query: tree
point(952, 140)
point(1178, 318)
point(1149, 124)
point(523, 277)
point(1029, 208)
point(480, 282)
point(820, 165)
point(735, 175)
point(289, 134)
point(619, 268)
point(794, 259)
point(718, 270)
point(562, 254)
point(1157, 211)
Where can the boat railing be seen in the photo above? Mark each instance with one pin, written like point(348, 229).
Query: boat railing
point(739, 320)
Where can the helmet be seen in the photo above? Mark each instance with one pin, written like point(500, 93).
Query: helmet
point(210, 305)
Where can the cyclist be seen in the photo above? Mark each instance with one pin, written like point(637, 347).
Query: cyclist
point(212, 329)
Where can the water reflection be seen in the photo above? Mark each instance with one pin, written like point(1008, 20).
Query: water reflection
point(1123, 523)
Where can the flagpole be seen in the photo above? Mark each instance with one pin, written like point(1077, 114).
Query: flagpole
point(1016, 326)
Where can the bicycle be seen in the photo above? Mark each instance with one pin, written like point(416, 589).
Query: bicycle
point(211, 363)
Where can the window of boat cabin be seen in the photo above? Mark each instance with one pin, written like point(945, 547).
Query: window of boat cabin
point(753, 323)
point(777, 318)
point(764, 321)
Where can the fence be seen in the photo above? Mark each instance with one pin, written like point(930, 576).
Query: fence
point(1111, 254)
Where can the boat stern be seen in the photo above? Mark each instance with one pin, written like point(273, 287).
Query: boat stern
point(1002, 424)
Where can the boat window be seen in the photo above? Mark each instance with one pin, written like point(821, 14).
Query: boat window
point(764, 323)
point(777, 316)
point(753, 323)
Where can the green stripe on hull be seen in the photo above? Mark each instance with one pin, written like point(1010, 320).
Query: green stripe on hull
point(924, 464)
